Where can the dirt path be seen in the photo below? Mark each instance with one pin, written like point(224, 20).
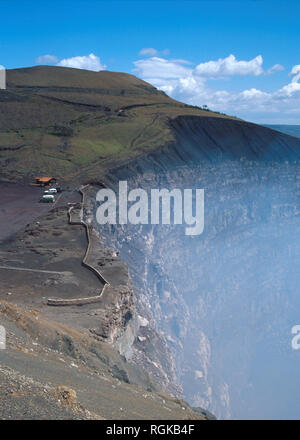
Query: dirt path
point(36, 270)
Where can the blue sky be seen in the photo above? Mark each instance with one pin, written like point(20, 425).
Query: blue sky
point(190, 41)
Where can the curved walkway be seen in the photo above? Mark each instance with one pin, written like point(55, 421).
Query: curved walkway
point(88, 228)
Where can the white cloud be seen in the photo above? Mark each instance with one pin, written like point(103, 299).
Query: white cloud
point(293, 87)
point(148, 52)
point(156, 67)
point(182, 81)
point(89, 62)
point(295, 71)
point(274, 69)
point(46, 59)
point(230, 66)
point(151, 52)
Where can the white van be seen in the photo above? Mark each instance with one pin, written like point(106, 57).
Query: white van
point(51, 191)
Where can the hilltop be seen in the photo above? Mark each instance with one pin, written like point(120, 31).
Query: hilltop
point(77, 124)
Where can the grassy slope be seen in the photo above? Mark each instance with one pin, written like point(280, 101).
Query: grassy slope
point(74, 124)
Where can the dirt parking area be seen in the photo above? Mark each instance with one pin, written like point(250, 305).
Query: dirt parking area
point(19, 206)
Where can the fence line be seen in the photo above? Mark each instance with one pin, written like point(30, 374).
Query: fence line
point(88, 229)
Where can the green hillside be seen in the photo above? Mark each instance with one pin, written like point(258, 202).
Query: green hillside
point(74, 124)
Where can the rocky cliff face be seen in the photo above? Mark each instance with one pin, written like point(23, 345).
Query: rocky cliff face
point(222, 302)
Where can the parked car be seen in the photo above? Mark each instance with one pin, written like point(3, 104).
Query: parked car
point(51, 191)
point(47, 199)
